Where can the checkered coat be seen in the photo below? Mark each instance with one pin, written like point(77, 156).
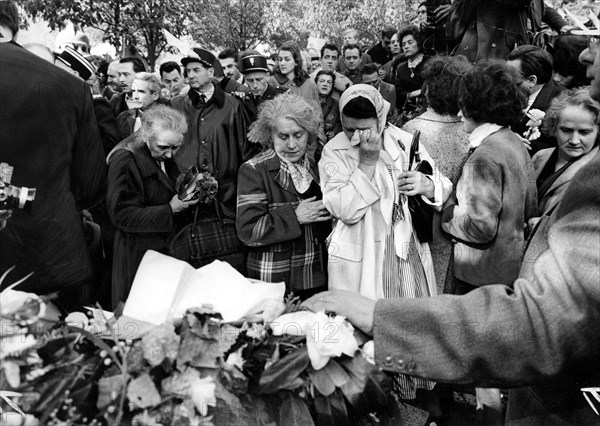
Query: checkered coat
point(280, 248)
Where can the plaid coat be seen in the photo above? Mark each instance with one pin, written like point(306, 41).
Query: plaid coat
point(280, 248)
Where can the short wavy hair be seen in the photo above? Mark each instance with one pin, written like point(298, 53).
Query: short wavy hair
point(289, 106)
point(576, 97)
point(150, 78)
point(440, 75)
point(161, 117)
point(412, 30)
point(489, 93)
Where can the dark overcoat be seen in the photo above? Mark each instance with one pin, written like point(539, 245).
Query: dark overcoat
point(49, 134)
point(138, 203)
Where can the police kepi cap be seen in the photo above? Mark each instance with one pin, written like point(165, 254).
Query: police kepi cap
point(252, 63)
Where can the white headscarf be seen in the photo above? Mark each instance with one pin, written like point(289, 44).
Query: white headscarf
point(371, 94)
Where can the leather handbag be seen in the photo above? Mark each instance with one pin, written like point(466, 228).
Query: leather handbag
point(421, 213)
point(208, 239)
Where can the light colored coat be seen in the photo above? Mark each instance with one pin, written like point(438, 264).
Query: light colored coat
point(363, 209)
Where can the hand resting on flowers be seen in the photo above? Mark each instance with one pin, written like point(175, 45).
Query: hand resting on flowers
point(311, 210)
point(357, 309)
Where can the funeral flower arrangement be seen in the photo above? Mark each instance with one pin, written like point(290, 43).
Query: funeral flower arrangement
point(282, 366)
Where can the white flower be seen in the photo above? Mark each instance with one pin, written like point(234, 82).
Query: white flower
point(203, 394)
point(294, 324)
point(536, 115)
point(368, 352)
point(329, 337)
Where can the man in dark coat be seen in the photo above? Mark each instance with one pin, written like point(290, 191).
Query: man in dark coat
point(535, 66)
point(381, 52)
point(215, 141)
point(491, 29)
point(256, 74)
point(49, 134)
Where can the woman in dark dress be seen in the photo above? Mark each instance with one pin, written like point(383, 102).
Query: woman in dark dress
point(329, 106)
point(408, 79)
point(141, 199)
point(281, 217)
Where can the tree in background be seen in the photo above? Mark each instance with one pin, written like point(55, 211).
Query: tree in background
point(215, 24)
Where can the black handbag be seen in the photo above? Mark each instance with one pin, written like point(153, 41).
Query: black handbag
point(421, 213)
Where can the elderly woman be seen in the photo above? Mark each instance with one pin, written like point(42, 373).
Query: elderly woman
point(373, 249)
point(495, 195)
point(290, 75)
point(141, 197)
point(280, 214)
point(444, 138)
point(573, 118)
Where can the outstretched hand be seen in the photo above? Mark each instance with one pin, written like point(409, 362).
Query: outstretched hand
point(359, 310)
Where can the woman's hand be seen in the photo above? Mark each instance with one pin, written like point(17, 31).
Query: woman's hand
point(311, 210)
point(359, 310)
point(415, 183)
point(178, 206)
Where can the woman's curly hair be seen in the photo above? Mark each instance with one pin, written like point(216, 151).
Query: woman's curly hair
point(289, 106)
point(490, 93)
point(576, 97)
point(440, 75)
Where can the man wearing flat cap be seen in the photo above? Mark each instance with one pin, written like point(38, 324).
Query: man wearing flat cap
point(256, 73)
point(216, 143)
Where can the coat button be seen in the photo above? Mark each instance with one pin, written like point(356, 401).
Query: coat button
point(401, 364)
point(203, 142)
point(493, 44)
point(388, 361)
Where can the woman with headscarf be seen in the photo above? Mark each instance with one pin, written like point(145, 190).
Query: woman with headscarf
point(281, 217)
point(374, 249)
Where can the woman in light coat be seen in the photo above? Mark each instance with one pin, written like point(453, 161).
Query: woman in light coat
point(373, 249)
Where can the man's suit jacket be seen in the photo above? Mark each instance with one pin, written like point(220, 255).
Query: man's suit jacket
point(544, 332)
point(49, 134)
point(118, 103)
point(549, 91)
point(107, 125)
point(126, 122)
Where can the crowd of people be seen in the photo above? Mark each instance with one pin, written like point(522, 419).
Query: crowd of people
point(386, 176)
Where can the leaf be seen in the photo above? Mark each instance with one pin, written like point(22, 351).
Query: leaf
point(322, 381)
point(336, 373)
point(294, 412)
point(109, 389)
point(142, 392)
point(284, 371)
point(353, 389)
point(331, 410)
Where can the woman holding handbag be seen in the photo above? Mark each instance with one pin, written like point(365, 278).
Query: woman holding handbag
point(374, 249)
point(141, 196)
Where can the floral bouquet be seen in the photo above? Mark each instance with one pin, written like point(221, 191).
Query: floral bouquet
point(297, 368)
point(193, 185)
point(533, 125)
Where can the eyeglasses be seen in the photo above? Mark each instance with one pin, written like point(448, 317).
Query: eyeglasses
point(593, 44)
